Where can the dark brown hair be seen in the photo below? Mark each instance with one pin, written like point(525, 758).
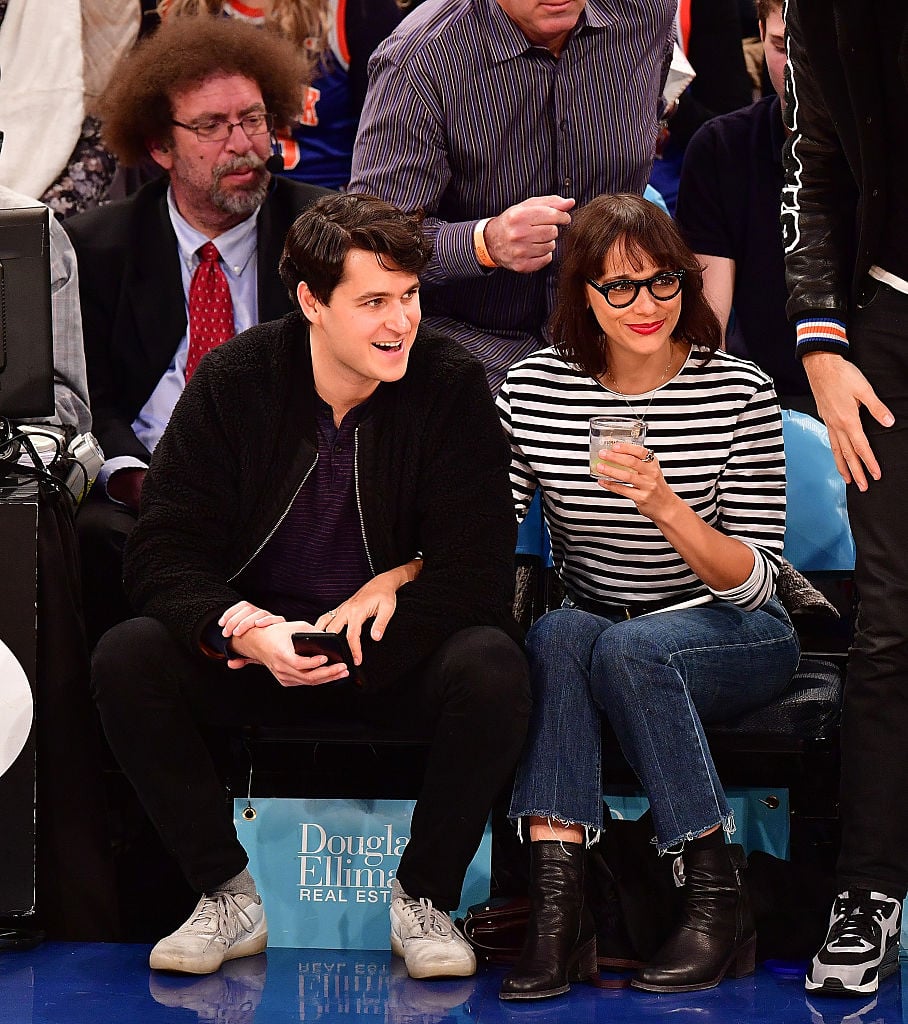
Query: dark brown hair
point(765, 8)
point(137, 105)
point(303, 22)
point(319, 240)
point(643, 234)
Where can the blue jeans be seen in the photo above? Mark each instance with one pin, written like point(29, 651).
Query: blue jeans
point(658, 678)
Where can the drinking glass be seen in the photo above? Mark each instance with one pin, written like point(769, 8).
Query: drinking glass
point(606, 431)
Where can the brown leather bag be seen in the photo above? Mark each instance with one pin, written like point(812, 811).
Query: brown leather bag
point(496, 929)
point(629, 890)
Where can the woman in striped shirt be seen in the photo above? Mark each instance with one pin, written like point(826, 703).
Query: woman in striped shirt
point(669, 566)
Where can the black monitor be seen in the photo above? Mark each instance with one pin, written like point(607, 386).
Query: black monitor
point(26, 325)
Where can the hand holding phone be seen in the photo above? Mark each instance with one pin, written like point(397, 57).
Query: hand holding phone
point(333, 646)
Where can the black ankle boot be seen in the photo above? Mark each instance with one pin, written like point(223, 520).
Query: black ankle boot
point(716, 936)
point(560, 946)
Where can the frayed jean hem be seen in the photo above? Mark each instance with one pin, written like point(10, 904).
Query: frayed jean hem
point(676, 846)
point(592, 833)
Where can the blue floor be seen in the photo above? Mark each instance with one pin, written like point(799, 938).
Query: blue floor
point(63, 983)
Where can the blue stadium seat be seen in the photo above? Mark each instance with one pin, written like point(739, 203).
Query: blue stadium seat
point(817, 535)
point(533, 535)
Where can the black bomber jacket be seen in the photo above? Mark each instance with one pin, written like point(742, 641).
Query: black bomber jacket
point(432, 478)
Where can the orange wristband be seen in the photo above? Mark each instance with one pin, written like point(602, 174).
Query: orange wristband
point(479, 244)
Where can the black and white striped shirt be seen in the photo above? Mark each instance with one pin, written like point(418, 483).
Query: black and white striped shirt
point(464, 118)
point(717, 432)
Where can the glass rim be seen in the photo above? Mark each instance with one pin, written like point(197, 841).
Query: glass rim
point(599, 420)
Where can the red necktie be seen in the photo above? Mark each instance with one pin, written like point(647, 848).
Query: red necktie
point(210, 307)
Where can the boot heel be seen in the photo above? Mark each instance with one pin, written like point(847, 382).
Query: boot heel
point(585, 964)
point(745, 960)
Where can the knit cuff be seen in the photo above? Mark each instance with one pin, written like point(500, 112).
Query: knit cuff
point(213, 642)
point(821, 334)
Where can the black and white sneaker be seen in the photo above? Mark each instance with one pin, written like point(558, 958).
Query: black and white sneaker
point(861, 948)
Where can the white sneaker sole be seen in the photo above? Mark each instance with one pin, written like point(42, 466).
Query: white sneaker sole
point(161, 960)
point(436, 969)
point(836, 987)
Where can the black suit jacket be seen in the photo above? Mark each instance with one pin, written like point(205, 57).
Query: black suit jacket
point(131, 292)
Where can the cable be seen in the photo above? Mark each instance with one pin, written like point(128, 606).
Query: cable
point(17, 443)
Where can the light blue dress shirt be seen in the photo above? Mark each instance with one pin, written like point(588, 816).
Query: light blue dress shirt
point(239, 259)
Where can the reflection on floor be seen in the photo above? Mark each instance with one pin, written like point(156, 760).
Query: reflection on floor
point(60, 983)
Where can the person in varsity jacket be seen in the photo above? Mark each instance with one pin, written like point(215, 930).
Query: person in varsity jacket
point(845, 223)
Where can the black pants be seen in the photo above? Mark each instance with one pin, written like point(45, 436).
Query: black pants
point(874, 853)
point(103, 527)
point(153, 698)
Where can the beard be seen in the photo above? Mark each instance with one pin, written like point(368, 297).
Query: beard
point(247, 198)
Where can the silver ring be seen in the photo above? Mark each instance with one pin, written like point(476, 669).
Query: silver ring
point(650, 455)
point(332, 614)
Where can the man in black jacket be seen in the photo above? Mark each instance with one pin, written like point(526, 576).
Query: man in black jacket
point(200, 96)
point(320, 473)
point(845, 220)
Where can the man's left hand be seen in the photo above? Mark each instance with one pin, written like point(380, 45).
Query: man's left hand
point(239, 619)
point(840, 389)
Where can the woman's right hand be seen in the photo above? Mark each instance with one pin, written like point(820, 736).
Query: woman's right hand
point(641, 480)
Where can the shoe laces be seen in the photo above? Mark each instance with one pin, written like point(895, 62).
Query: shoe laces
point(221, 914)
point(858, 918)
point(428, 918)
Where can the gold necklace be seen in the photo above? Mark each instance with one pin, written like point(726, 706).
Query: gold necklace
point(662, 380)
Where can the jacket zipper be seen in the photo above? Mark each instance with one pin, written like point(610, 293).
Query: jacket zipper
point(281, 518)
point(359, 504)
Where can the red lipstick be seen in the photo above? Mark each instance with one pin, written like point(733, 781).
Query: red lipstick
point(646, 328)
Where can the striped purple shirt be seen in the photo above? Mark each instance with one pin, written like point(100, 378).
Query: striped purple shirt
point(317, 557)
point(465, 118)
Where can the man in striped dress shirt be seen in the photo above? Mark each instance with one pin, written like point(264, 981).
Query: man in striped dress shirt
point(496, 117)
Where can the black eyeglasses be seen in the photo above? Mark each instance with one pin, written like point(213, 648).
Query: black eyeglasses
point(219, 129)
point(619, 294)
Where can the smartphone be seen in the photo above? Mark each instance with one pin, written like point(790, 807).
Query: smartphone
point(333, 646)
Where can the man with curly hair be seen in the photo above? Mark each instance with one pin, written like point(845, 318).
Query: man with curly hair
point(201, 97)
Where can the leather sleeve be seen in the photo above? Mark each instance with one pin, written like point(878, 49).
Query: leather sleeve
point(820, 195)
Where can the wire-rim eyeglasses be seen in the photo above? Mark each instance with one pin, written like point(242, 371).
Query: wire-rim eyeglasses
point(220, 129)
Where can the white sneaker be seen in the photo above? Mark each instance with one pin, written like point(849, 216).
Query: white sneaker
point(222, 927)
point(427, 940)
